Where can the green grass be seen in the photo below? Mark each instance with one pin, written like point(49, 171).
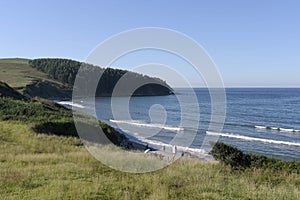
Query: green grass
point(34, 110)
point(17, 73)
point(37, 166)
point(49, 166)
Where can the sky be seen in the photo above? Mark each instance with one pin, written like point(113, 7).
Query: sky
point(253, 43)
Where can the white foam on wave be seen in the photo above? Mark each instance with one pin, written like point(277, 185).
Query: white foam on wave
point(143, 124)
point(166, 147)
point(260, 127)
point(241, 137)
point(278, 129)
point(200, 153)
point(70, 103)
point(287, 130)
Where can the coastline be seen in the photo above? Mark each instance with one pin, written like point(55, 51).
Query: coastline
point(156, 148)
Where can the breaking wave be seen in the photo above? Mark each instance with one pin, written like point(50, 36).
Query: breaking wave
point(70, 103)
point(143, 124)
point(278, 129)
point(241, 137)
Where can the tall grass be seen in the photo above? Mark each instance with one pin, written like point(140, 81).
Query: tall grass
point(53, 167)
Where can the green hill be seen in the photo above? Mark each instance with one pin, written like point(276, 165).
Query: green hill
point(29, 81)
point(65, 71)
point(54, 78)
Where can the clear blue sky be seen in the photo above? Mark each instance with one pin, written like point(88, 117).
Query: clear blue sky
point(254, 43)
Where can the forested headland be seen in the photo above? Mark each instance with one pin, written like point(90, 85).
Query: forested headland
point(65, 71)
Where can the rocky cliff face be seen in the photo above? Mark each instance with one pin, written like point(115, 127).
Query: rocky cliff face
point(7, 91)
point(47, 90)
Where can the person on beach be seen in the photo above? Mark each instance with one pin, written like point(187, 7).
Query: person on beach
point(174, 151)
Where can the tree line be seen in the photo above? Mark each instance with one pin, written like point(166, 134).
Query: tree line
point(66, 70)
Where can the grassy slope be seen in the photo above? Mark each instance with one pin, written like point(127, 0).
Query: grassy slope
point(17, 73)
point(52, 167)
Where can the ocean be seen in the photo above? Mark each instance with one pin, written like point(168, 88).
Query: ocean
point(258, 120)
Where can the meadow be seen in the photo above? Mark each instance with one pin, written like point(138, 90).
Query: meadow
point(39, 166)
point(17, 73)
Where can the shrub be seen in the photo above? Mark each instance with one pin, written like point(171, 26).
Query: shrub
point(236, 159)
point(230, 155)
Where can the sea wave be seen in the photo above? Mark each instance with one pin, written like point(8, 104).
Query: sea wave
point(143, 124)
point(278, 129)
point(241, 137)
point(70, 103)
point(165, 147)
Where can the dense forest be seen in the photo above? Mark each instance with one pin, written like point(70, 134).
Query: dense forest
point(65, 71)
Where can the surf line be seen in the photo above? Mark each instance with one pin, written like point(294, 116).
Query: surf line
point(277, 129)
point(241, 137)
point(142, 124)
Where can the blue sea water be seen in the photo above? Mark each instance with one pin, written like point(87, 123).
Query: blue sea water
point(258, 120)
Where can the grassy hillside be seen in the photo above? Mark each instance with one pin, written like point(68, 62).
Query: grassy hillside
point(29, 81)
point(17, 73)
point(13, 70)
point(52, 167)
point(44, 116)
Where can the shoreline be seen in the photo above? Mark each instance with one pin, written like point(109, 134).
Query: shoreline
point(159, 148)
point(154, 147)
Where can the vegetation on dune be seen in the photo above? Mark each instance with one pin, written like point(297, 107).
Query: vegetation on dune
point(38, 166)
point(238, 160)
point(65, 71)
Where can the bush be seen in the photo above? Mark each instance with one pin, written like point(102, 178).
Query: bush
point(56, 128)
point(230, 155)
point(236, 159)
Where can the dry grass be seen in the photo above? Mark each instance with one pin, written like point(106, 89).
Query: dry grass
point(51, 167)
